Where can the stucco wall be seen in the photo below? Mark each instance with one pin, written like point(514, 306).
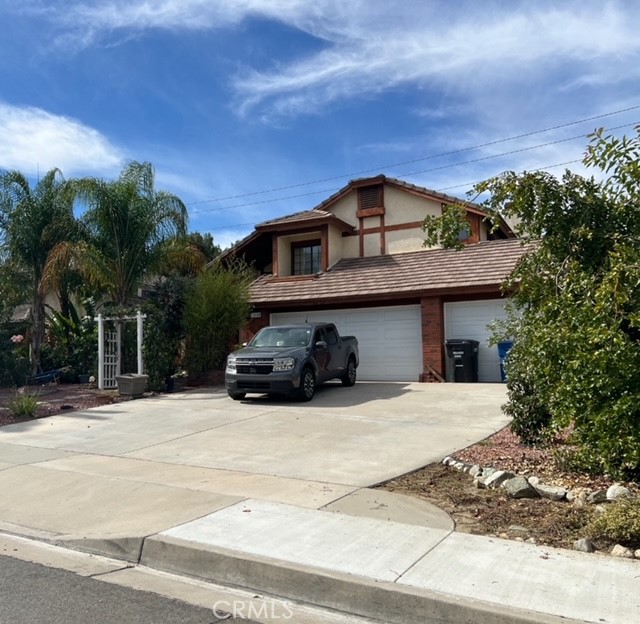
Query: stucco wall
point(402, 207)
point(346, 209)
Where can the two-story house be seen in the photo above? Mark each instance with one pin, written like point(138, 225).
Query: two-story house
point(358, 260)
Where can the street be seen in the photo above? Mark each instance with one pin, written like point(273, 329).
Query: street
point(32, 594)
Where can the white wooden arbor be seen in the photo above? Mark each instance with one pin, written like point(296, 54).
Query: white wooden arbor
point(110, 345)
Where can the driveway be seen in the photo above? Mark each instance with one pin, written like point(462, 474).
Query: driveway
point(135, 468)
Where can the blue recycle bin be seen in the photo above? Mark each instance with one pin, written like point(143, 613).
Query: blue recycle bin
point(503, 351)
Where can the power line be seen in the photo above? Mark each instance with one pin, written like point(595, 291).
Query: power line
point(414, 160)
point(440, 190)
point(439, 168)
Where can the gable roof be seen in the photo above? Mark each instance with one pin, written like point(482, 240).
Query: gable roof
point(409, 275)
point(316, 216)
point(320, 214)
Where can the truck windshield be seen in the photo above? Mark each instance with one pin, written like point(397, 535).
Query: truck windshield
point(282, 337)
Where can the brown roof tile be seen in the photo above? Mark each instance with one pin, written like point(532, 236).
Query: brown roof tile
point(483, 265)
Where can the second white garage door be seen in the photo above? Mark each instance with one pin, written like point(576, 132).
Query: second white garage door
point(389, 338)
point(469, 320)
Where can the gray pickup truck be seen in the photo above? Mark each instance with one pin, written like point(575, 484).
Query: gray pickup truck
point(292, 360)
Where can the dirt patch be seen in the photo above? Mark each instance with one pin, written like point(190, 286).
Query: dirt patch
point(56, 399)
point(492, 512)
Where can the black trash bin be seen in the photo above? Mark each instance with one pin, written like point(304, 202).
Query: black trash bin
point(462, 360)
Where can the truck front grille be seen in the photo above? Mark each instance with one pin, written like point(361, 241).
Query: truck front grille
point(256, 366)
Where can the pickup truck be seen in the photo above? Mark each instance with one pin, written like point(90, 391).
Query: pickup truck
point(292, 360)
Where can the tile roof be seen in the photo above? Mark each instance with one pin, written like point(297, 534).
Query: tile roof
point(305, 215)
point(482, 265)
point(383, 179)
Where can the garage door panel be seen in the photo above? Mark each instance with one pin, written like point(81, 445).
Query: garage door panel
point(470, 320)
point(389, 338)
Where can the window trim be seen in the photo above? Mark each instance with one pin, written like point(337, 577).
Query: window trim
point(316, 242)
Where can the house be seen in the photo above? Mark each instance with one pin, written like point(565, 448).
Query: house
point(358, 260)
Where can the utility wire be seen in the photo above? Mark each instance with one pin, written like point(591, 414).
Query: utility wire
point(439, 168)
point(414, 160)
point(440, 190)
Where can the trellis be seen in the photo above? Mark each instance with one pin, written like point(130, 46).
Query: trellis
point(110, 349)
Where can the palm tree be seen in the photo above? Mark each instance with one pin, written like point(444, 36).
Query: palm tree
point(34, 221)
point(129, 229)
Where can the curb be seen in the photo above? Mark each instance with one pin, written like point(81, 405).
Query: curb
point(378, 600)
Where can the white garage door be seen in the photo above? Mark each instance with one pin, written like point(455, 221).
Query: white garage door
point(469, 320)
point(389, 338)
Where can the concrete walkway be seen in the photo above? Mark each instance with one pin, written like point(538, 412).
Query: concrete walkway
point(273, 496)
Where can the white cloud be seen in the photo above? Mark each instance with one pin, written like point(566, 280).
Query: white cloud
point(32, 139)
point(228, 236)
point(468, 48)
point(469, 51)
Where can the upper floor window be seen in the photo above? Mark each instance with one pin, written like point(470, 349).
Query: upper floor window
point(306, 257)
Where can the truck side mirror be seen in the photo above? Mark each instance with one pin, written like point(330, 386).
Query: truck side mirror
point(321, 344)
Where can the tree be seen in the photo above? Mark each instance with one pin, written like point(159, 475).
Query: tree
point(34, 220)
point(217, 306)
point(576, 294)
point(129, 230)
point(204, 242)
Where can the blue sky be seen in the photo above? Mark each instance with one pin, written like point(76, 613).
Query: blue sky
point(251, 109)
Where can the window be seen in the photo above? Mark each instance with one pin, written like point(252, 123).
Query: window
point(306, 258)
point(330, 335)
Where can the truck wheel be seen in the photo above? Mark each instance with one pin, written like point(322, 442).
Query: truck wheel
point(237, 396)
point(349, 378)
point(307, 385)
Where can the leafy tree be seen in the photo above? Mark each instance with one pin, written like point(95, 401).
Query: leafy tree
point(204, 242)
point(164, 330)
point(576, 357)
point(216, 308)
point(34, 221)
point(129, 229)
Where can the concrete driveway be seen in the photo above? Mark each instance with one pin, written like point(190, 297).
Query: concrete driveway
point(129, 470)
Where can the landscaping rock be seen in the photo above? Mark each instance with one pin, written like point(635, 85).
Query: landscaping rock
point(475, 470)
point(487, 472)
point(637, 554)
point(479, 484)
point(516, 528)
point(497, 478)
point(600, 496)
point(447, 460)
point(622, 551)
point(617, 491)
point(518, 487)
point(570, 496)
point(583, 545)
point(552, 492)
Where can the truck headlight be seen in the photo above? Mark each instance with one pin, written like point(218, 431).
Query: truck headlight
point(283, 364)
point(231, 364)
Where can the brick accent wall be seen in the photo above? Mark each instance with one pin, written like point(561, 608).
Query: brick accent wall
point(432, 337)
point(253, 326)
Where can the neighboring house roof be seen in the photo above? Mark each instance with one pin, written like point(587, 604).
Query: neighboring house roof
point(481, 265)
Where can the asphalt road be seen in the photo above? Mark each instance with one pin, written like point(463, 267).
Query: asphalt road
point(32, 594)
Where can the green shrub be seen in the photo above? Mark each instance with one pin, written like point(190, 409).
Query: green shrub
point(216, 308)
point(619, 523)
point(23, 405)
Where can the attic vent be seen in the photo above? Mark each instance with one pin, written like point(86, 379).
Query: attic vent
point(370, 197)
